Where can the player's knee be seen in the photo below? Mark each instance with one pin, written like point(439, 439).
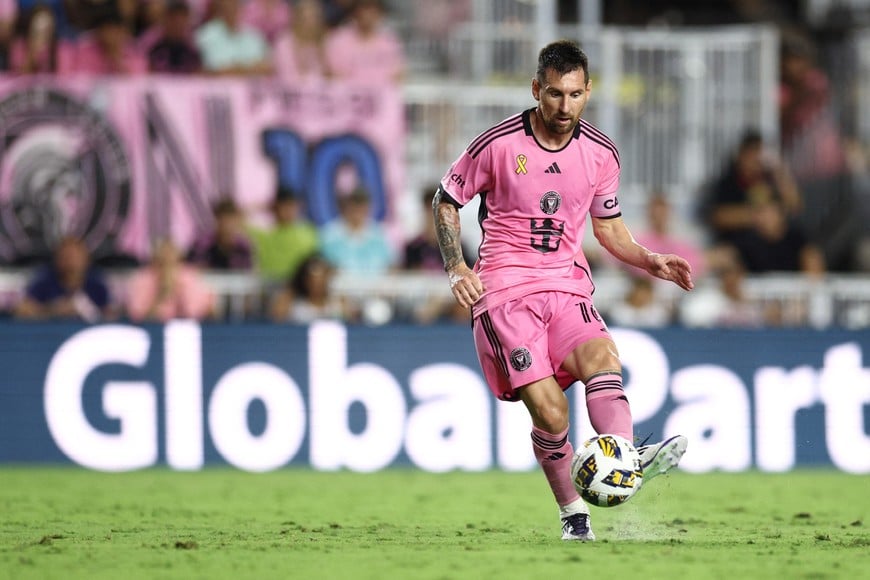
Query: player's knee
point(593, 357)
point(551, 417)
point(602, 359)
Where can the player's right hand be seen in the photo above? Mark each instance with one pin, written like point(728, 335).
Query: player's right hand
point(465, 284)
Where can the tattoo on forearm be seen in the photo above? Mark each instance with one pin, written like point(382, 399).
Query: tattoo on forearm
point(447, 228)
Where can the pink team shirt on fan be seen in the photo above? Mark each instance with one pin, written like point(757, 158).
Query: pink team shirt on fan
point(295, 62)
point(534, 204)
point(270, 18)
point(8, 10)
point(192, 298)
point(377, 59)
point(84, 56)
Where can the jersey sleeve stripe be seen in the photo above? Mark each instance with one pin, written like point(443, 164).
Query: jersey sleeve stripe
point(605, 145)
point(510, 126)
point(496, 127)
point(596, 131)
point(597, 136)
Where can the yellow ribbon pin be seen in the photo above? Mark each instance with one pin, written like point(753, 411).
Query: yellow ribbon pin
point(521, 164)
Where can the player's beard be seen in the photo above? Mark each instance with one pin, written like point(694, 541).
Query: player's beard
point(552, 124)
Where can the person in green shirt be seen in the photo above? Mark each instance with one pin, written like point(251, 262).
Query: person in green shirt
point(280, 249)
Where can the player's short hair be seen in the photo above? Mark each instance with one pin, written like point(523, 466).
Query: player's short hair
point(562, 56)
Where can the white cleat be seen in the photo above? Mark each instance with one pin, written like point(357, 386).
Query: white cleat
point(662, 457)
point(577, 527)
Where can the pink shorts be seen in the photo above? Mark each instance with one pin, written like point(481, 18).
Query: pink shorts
point(525, 340)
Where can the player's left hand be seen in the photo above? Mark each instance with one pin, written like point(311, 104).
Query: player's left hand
point(671, 267)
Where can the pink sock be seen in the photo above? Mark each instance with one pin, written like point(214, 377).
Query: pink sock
point(608, 406)
point(554, 452)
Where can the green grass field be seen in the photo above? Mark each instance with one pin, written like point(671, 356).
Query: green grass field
point(219, 523)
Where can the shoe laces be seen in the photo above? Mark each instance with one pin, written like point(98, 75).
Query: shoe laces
point(642, 443)
point(577, 523)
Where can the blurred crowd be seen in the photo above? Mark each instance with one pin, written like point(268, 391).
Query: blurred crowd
point(302, 40)
point(294, 260)
point(800, 206)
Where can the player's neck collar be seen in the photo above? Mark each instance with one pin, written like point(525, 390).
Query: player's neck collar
point(527, 127)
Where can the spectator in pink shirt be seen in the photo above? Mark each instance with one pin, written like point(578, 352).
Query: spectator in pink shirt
point(108, 49)
point(365, 50)
point(659, 236)
point(168, 288)
point(35, 50)
point(8, 11)
point(270, 17)
point(300, 51)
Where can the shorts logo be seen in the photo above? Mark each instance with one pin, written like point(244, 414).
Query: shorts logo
point(521, 358)
point(551, 202)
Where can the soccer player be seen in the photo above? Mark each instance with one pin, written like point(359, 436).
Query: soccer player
point(535, 329)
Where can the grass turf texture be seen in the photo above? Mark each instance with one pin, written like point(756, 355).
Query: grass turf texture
point(220, 523)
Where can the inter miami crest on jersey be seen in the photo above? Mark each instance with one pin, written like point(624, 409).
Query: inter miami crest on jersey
point(521, 358)
point(551, 202)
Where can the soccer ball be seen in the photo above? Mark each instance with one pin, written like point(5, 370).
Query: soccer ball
point(607, 470)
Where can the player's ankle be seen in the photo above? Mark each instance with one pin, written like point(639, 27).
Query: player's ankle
point(578, 506)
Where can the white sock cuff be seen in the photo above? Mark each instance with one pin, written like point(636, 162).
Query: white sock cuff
point(578, 506)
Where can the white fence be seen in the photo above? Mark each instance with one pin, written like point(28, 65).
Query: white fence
point(862, 83)
point(835, 301)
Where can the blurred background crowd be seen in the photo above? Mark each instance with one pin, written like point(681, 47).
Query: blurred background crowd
point(742, 125)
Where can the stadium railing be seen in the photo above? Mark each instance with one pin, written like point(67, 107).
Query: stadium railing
point(841, 300)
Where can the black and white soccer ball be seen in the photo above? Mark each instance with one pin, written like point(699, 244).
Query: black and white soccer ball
point(607, 470)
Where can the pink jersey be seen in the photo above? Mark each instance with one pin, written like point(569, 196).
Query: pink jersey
point(534, 204)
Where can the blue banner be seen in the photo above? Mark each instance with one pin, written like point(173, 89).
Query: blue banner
point(260, 397)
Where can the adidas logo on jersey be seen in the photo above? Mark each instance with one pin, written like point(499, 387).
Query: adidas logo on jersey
point(554, 168)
